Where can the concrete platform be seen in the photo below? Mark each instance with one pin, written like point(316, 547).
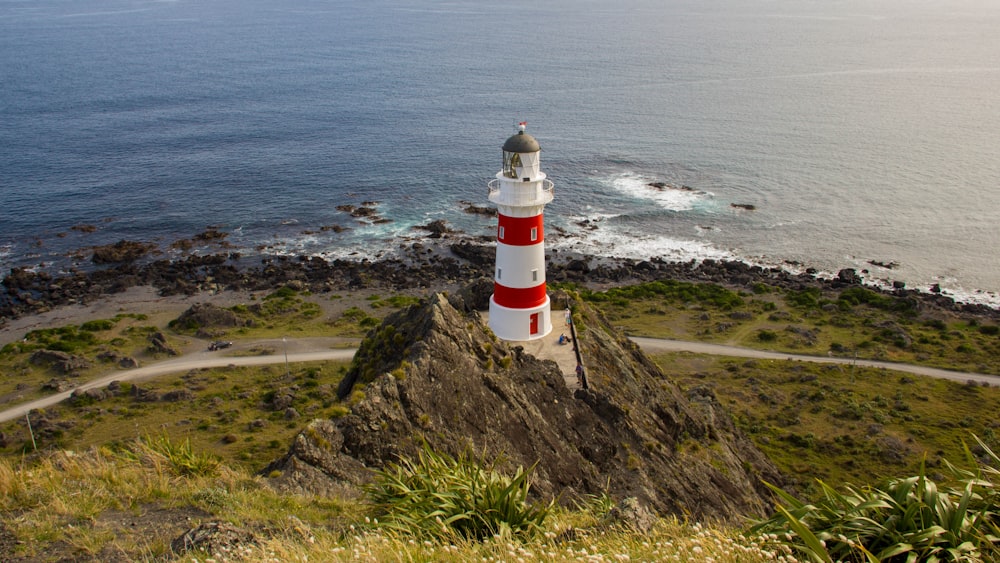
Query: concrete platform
point(548, 348)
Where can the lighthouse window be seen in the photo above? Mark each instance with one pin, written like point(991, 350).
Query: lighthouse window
point(534, 233)
point(511, 162)
point(501, 233)
point(534, 275)
point(499, 271)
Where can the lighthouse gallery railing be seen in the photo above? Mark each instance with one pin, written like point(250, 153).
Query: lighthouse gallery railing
point(522, 195)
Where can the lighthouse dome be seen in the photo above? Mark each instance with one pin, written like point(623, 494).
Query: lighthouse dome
point(521, 143)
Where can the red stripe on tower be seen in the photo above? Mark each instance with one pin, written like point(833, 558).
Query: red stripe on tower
point(519, 298)
point(520, 231)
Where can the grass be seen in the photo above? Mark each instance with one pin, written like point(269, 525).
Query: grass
point(857, 322)
point(286, 312)
point(835, 423)
point(99, 343)
point(842, 424)
point(128, 503)
point(96, 344)
point(237, 412)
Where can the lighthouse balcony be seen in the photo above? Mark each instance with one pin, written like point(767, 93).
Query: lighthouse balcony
point(517, 194)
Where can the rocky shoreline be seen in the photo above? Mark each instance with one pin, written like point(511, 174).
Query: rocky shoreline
point(446, 260)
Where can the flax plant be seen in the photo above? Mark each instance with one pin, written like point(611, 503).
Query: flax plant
point(907, 520)
point(436, 495)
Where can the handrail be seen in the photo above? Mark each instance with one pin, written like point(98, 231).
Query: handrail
point(521, 197)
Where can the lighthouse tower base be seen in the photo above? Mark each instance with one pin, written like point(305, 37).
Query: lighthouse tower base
point(520, 324)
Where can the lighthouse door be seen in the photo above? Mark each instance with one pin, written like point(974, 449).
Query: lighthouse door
point(533, 324)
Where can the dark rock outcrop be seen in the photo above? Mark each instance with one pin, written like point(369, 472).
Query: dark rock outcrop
point(437, 374)
point(437, 228)
point(62, 362)
point(214, 538)
point(206, 315)
point(158, 344)
point(121, 251)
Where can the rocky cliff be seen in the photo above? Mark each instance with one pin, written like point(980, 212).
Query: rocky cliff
point(435, 372)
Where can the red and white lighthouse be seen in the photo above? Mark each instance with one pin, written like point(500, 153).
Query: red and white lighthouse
point(519, 306)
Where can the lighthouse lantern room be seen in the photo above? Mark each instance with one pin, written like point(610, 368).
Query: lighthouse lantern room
point(519, 306)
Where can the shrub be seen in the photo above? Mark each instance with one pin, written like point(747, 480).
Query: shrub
point(436, 495)
point(806, 298)
point(766, 335)
point(859, 295)
point(339, 411)
point(284, 293)
point(180, 457)
point(97, 325)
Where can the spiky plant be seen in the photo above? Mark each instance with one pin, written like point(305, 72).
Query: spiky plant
point(909, 520)
point(436, 495)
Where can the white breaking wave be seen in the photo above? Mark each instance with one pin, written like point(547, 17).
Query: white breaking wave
point(613, 243)
point(664, 194)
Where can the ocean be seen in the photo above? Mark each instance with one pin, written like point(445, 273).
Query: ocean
point(790, 133)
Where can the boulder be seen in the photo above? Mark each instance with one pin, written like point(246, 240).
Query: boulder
point(89, 395)
point(437, 228)
point(158, 344)
point(122, 251)
point(218, 539)
point(57, 385)
point(61, 361)
point(631, 515)
point(206, 315)
point(849, 276)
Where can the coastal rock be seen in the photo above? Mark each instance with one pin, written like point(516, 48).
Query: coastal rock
point(25, 292)
point(476, 254)
point(121, 251)
point(437, 228)
point(480, 210)
point(849, 276)
point(435, 373)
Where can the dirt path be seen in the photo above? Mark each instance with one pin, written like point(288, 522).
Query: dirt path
point(659, 345)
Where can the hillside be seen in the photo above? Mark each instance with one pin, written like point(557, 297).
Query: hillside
point(434, 373)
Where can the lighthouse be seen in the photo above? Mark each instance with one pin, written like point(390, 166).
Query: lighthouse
point(519, 306)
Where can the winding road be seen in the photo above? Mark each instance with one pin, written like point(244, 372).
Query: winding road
point(302, 353)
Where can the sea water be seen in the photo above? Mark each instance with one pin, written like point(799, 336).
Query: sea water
point(789, 133)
